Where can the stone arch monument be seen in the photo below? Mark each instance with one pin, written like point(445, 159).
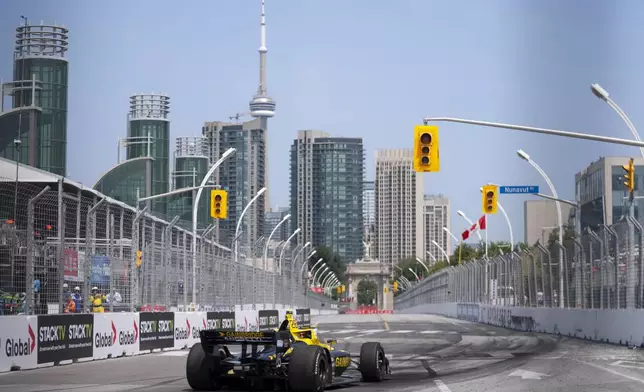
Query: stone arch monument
point(367, 269)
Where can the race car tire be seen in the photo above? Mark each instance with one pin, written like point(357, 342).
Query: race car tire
point(198, 370)
point(373, 363)
point(308, 369)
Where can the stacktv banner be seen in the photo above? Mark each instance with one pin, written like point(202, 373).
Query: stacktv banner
point(66, 336)
point(156, 330)
point(223, 321)
point(268, 320)
point(303, 317)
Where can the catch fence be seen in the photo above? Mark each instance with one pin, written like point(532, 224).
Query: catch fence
point(600, 269)
point(58, 241)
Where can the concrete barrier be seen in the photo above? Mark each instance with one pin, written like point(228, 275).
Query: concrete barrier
point(48, 340)
point(617, 326)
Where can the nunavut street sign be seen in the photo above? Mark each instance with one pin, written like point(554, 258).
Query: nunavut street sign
point(526, 189)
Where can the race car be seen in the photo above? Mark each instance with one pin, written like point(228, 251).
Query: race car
point(290, 358)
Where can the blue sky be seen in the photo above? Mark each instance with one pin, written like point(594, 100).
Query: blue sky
point(366, 68)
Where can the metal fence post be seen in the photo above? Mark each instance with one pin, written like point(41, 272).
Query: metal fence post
point(616, 290)
point(90, 233)
point(185, 270)
point(29, 276)
point(165, 258)
point(134, 270)
point(60, 230)
point(547, 294)
point(602, 251)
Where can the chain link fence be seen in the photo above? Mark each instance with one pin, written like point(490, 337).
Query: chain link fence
point(60, 244)
point(600, 269)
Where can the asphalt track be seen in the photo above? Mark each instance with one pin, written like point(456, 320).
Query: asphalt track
point(427, 353)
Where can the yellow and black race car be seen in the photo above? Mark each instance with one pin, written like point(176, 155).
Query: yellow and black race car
point(289, 358)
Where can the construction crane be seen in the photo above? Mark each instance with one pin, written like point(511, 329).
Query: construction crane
point(237, 116)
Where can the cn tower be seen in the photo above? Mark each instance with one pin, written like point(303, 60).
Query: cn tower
point(262, 105)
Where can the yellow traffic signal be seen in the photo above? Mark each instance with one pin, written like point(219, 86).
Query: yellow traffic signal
point(338, 289)
point(426, 156)
point(629, 177)
point(396, 286)
point(139, 258)
point(490, 199)
point(343, 288)
point(219, 204)
point(386, 289)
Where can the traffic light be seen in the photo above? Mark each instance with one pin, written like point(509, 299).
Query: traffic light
point(426, 157)
point(343, 288)
point(338, 290)
point(386, 290)
point(139, 258)
point(396, 286)
point(629, 177)
point(490, 199)
point(219, 204)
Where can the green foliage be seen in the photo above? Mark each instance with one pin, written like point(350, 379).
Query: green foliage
point(367, 292)
point(568, 235)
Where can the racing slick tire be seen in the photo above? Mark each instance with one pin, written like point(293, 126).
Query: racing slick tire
point(373, 363)
point(198, 370)
point(308, 369)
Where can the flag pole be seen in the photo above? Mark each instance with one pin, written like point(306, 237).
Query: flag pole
point(460, 247)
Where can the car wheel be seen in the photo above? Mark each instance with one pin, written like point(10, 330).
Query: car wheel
point(308, 369)
point(198, 370)
point(373, 363)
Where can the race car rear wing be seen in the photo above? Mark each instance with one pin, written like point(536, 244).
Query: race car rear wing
point(211, 338)
point(214, 336)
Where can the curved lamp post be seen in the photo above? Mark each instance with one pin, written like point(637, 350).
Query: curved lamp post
point(281, 269)
point(523, 155)
point(195, 210)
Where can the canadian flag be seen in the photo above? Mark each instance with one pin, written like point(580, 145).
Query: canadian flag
point(480, 225)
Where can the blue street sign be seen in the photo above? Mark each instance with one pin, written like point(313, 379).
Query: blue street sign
point(527, 189)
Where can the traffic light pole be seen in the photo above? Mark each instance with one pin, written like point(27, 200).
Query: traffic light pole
point(546, 131)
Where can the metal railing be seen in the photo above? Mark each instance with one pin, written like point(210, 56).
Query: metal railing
point(601, 269)
point(55, 239)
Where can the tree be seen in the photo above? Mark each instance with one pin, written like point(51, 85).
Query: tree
point(569, 235)
point(367, 292)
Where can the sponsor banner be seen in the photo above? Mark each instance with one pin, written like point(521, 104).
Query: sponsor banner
point(246, 320)
point(71, 263)
point(156, 330)
point(303, 317)
point(65, 336)
point(222, 321)
point(187, 326)
point(268, 320)
point(115, 334)
point(19, 342)
point(101, 271)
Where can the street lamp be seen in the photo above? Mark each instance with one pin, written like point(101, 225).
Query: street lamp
point(604, 96)
point(415, 274)
point(195, 209)
point(423, 264)
point(507, 220)
point(281, 267)
point(431, 255)
point(450, 233)
point(441, 249)
point(286, 217)
point(319, 278)
point(523, 155)
point(241, 218)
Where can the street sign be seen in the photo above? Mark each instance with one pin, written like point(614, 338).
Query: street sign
point(527, 189)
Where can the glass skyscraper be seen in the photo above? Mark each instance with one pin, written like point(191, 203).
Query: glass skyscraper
point(327, 175)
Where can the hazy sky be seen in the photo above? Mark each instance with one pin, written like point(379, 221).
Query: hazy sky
point(366, 68)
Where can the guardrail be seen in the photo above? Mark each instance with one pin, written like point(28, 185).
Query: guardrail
point(48, 340)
